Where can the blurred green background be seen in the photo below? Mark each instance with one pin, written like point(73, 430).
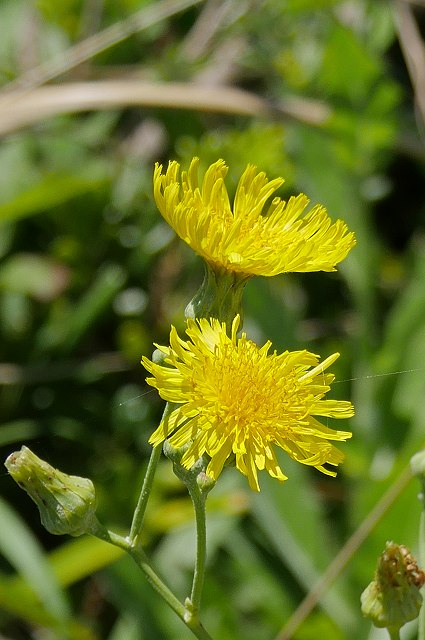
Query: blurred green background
point(90, 277)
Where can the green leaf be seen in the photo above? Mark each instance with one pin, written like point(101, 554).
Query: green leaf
point(52, 191)
point(348, 69)
point(34, 275)
point(310, 5)
point(127, 626)
point(67, 329)
point(292, 523)
point(77, 559)
point(20, 547)
point(19, 430)
point(71, 562)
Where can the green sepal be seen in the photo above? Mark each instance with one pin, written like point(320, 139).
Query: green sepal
point(219, 296)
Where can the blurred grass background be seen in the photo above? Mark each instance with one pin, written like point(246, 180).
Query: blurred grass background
point(328, 94)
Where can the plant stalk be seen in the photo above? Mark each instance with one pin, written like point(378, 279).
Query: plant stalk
point(139, 512)
point(198, 499)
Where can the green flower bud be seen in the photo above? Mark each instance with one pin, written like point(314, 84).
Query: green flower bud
point(417, 464)
point(158, 357)
point(205, 483)
point(196, 473)
point(393, 597)
point(67, 504)
point(175, 454)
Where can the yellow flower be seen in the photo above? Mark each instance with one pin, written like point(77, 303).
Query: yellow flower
point(244, 239)
point(235, 398)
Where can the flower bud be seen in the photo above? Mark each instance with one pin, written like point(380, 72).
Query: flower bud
point(393, 597)
point(196, 473)
point(417, 464)
point(205, 483)
point(175, 454)
point(67, 504)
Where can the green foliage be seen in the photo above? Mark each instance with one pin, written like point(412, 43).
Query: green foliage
point(264, 142)
point(91, 277)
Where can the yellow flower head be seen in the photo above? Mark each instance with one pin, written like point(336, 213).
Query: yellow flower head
point(245, 239)
point(235, 397)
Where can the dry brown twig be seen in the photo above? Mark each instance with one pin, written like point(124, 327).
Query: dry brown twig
point(205, 40)
point(214, 16)
point(93, 45)
point(413, 49)
point(25, 101)
point(344, 556)
point(46, 102)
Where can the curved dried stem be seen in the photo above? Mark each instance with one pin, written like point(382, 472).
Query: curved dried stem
point(413, 49)
point(93, 45)
point(345, 554)
point(49, 101)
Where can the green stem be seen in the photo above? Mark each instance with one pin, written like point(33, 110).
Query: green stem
point(113, 538)
point(192, 622)
point(139, 512)
point(189, 613)
point(198, 499)
point(219, 296)
point(142, 561)
point(394, 634)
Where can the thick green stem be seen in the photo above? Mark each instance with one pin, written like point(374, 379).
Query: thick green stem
point(193, 624)
point(113, 538)
point(394, 634)
point(142, 561)
point(188, 613)
point(219, 296)
point(198, 499)
point(139, 513)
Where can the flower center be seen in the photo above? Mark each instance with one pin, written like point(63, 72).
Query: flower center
point(242, 389)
